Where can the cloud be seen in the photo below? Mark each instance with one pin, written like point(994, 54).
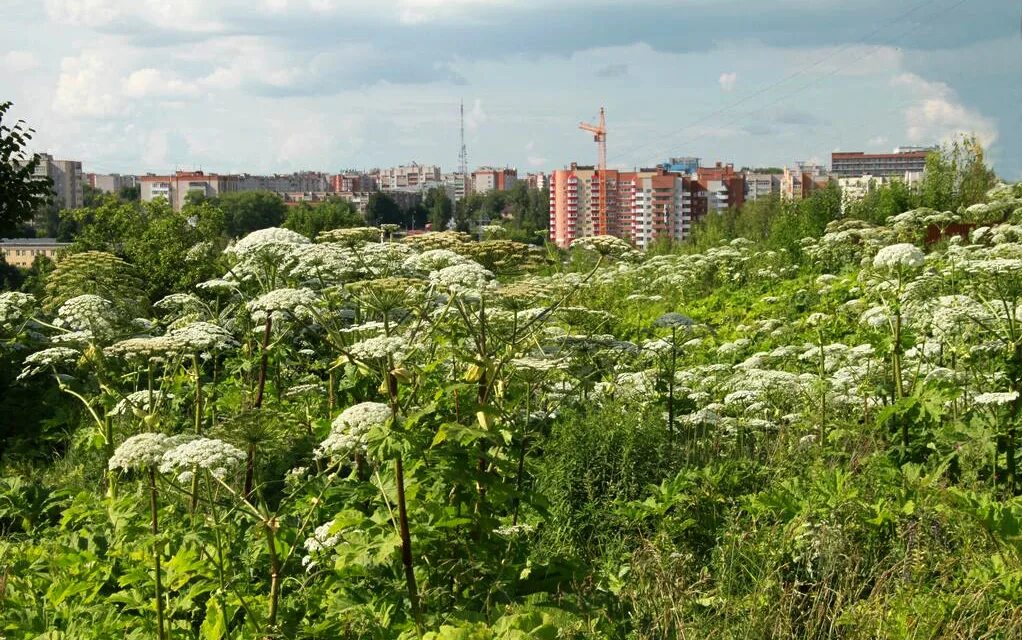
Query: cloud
point(538, 162)
point(728, 80)
point(937, 115)
point(877, 141)
point(85, 87)
point(612, 71)
point(476, 116)
point(150, 82)
point(19, 61)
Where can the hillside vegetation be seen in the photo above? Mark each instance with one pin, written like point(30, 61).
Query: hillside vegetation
point(369, 437)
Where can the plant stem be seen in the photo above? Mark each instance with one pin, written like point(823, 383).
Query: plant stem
point(263, 361)
point(406, 543)
point(271, 544)
point(153, 509)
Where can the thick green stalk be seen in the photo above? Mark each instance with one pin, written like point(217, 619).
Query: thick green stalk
point(153, 509)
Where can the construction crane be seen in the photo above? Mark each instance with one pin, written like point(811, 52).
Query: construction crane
point(599, 132)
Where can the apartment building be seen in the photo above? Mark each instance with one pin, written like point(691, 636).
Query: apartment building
point(538, 180)
point(725, 187)
point(486, 179)
point(175, 188)
point(642, 206)
point(110, 182)
point(22, 252)
point(685, 165)
point(67, 180)
point(299, 182)
point(415, 176)
point(851, 164)
point(352, 182)
point(761, 185)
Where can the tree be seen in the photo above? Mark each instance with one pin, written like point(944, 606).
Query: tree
point(21, 191)
point(956, 175)
point(311, 220)
point(247, 211)
point(129, 193)
point(439, 207)
point(382, 209)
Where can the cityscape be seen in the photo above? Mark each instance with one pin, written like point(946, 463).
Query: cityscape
point(642, 206)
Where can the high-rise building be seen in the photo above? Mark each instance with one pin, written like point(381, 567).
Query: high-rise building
point(299, 182)
point(493, 179)
point(352, 182)
point(850, 164)
point(538, 180)
point(642, 206)
point(414, 176)
point(110, 182)
point(725, 186)
point(761, 185)
point(685, 165)
point(66, 177)
point(175, 188)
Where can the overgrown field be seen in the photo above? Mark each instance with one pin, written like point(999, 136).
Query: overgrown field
point(373, 437)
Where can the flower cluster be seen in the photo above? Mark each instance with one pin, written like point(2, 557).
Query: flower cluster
point(15, 309)
point(140, 403)
point(215, 456)
point(462, 278)
point(142, 451)
point(378, 348)
point(896, 257)
point(48, 360)
point(348, 430)
point(283, 304)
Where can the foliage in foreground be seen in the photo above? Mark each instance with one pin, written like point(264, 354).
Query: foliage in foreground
point(438, 438)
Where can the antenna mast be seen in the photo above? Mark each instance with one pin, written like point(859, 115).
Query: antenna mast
point(463, 156)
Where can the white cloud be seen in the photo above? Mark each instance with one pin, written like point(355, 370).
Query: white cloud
point(476, 116)
point(937, 114)
point(194, 16)
point(728, 80)
point(877, 141)
point(537, 161)
point(86, 88)
point(19, 61)
point(150, 82)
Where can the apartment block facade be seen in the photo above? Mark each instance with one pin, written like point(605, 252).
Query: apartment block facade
point(725, 187)
point(67, 180)
point(851, 164)
point(409, 176)
point(486, 179)
point(299, 182)
point(110, 182)
point(642, 206)
point(175, 188)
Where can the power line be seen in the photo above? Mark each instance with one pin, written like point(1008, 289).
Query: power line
point(837, 69)
point(801, 71)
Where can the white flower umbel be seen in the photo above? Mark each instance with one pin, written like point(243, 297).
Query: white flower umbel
point(48, 360)
point(265, 239)
point(140, 452)
point(15, 309)
point(897, 257)
point(319, 544)
point(434, 260)
point(137, 403)
point(203, 337)
point(466, 277)
point(207, 454)
point(378, 348)
point(348, 430)
point(143, 349)
point(89, 313)
point(282, 304)
point(996, 398)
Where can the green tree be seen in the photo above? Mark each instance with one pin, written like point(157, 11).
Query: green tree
point(311, 220)
point(129, 193)
point(956, 175)
point(247, 211)
point(382, 209)
point(439, 207)
point(22, 193)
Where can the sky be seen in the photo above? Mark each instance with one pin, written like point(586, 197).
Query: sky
point(262, 86)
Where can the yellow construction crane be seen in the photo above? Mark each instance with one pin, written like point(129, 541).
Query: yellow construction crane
point(599, 132)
